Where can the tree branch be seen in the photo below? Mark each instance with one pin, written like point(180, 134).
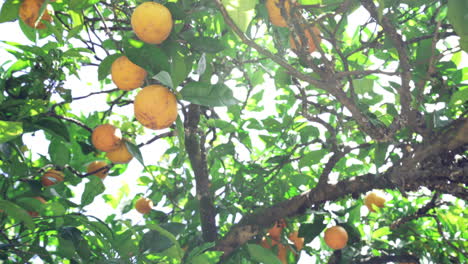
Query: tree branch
point(196, 152)
point(414, 177)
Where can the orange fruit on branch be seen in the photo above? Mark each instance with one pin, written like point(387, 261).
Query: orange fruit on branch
point(155, 107)
point(374, 199)
point(274, 12)
point(121, 155)
point(311, 47)
point(298, 241)
point(268, 242)
point(151, 22)
point(275, 231)
point(283, 253)
point(96, 165)
point(144, 205)
point(51, 177)
point(336, 237)
point(29, 13)
point(106, 137)
point(126, 75)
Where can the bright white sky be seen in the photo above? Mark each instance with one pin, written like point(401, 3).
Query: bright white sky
point(89, 83)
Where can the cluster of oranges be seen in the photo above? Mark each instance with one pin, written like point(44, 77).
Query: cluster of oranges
point(273, 239)
point(155, 106)
point(336, 237)
point(274, 9)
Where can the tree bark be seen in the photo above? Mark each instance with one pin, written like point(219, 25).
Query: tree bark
point(197, 155)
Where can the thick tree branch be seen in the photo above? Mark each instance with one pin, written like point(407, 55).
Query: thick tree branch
point(401, 47)
point(196, 152)
point(414, 177)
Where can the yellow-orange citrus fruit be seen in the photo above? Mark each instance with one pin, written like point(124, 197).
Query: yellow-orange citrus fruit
point(33, 213)
point(126, 75)
point(275, 231)
point(144, 205)
point(274, 12)
point(96, 165)
point(336, 237)
point(298, 241)
point(152, 22)
point(283, 253)
point(120, 155)
point(268, 242)
point(51, 177)
point(374, 199)
point(106, 137)
point(29, 13)
point(155, 107)
point(310, 41)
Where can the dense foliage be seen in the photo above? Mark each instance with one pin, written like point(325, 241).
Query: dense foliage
point(263, 133)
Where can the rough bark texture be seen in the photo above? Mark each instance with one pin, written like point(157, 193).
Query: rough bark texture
point(196, 151)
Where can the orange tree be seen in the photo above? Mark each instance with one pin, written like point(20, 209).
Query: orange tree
point(262, 132)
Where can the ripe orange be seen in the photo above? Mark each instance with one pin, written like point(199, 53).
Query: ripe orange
point(95, 165)
point(298, 241)
point(310, 40)
point(51, 177)
point(29, 13)
point(155, 107)
point(274, 12)
point(34, 213)
point(374, 199)
point(268, 242)
point(275, 231)
point(336, 237)
point(127, 75)
point(143, 205)
point(151, 22)
point(283, 253)
point(120, 155)
point(106, 137)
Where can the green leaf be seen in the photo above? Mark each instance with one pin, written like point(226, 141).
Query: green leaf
point(105, 66)
point(209, 257)
point(282, 78)
point(150, 57)
point(458, 98)
point(311, 230)
point(383, 231)
point(159, 239)
point(312, 158)
point(241, 12)
point(135, 151)
point(92, 189)
point(380, 154)
point(10, 130)
point(53, 126)
point(261, 254)
point(208, 95)
point(9, 11)
point(18, 213)
point(165, 79)
point(179, 69)
point(59, 152)
point(207, 44)
point(456, 15)
point(200, 249)
point(70, 233)
point(362, 86)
